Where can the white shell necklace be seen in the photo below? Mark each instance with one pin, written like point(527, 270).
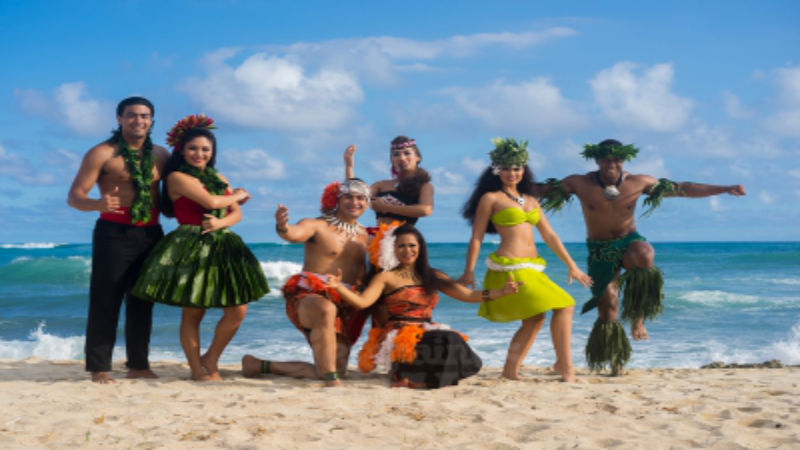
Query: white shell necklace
point(351, 230)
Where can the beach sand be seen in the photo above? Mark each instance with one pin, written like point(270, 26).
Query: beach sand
point(52, 404)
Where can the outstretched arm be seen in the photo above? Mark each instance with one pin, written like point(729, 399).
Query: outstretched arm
point(689, 189)
point(554, 242)
point(367, 297)
point(460, 292)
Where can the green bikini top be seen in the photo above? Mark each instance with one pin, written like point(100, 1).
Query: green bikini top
point(514, 215)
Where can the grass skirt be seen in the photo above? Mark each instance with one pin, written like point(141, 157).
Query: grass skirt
point(536, 295)
point(190, 269)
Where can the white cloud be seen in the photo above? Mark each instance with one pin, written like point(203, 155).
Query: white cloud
point(447, 182)
point(532, 107)
point(20, 169)
point(269, 92)
point(379, 58)
point(767, 197)
point(641, 100)
point(651, 165)
point(786, 120)
point(474, 165)
point(794, 173)
point(734, 107)
point(254, 164)
point(70, 106)
point(715, 204)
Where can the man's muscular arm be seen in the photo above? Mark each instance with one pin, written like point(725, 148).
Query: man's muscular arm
point(302, 232)
point(86, 178)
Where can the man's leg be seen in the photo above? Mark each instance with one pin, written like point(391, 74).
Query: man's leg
point(638, 255)
point(138, 312)
point(105, 299)
point(317, 314)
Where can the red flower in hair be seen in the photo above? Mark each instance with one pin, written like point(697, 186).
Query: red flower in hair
point(187, 123)
point(330, 197)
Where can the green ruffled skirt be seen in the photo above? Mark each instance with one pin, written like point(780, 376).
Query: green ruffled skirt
point(536, 295)
point(190, 269)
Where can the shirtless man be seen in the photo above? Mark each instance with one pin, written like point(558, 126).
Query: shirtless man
point(335, 241)
point(126, 169)
point(608, 200)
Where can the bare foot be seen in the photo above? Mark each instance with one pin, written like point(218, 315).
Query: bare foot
point(333, 383)
point(567, 374)
point(211, 368)
point(511, 376)
point(143, 373)
point(251, 366)
point(205, 377)
point(638, 331)
point(102, 378)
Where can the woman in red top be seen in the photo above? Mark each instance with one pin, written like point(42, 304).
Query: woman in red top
point(202, 264)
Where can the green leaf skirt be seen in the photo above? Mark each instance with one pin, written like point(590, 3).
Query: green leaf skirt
point(190, 269)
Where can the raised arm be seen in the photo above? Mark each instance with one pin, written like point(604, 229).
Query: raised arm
point(85, 179)
point(464, 294)
point(554, 242)
point(185, 185)
point(479, 225)
point(349, 162)
point(303, 231)
point(360, 301)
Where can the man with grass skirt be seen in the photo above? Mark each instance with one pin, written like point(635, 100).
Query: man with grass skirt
point(126, 169)
point(608, 198)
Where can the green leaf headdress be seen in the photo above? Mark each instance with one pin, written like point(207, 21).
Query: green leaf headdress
point(509, 153)
point(609, 149)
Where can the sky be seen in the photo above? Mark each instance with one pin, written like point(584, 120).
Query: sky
point(708, 91)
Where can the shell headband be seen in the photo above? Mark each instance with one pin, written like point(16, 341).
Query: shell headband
point(330, 195)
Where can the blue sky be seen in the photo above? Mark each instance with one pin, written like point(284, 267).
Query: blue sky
point(709, 91)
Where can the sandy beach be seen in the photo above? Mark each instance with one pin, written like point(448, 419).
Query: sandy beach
point(52, 404)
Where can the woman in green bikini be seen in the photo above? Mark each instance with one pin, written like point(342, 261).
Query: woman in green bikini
point(503, 203)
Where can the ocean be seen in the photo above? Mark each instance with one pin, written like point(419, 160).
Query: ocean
point(735, 302)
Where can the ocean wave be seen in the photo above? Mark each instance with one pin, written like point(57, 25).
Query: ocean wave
point(43, 345)
point(32, 245)
point(48, 269)
point(280, 271)
point(715, 298)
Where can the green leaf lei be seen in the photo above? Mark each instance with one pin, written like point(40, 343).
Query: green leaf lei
point(620, 152)
point(213, 184)
point(141, 172)
point(663, 188)
point(554, 197)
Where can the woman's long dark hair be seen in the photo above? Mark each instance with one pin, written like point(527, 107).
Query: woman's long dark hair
point(489, 182)
point(427, 274)
point(410, 186)
point(176, 160)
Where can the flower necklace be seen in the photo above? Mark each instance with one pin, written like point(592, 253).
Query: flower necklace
point(612, 190)
point(211, 181)
point(141, 172)
point(350, 230)
point(520, 200)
